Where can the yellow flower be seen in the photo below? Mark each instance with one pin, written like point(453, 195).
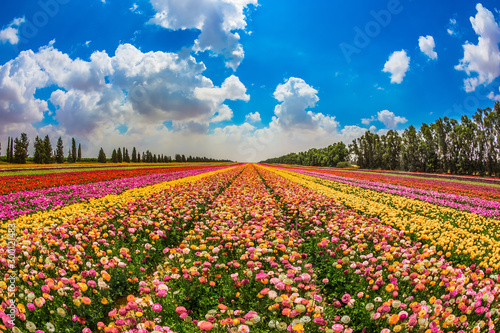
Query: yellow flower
point(298, 328)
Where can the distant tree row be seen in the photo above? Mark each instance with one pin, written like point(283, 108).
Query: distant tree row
point(470, 146)
point(330, 156)
point(17, 152)
point(121, 155)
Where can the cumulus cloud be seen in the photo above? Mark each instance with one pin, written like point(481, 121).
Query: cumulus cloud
point(253, 117)
point(481, 62)
point(145, 90)
point(295, 96)
point(426, 45)
point(10, 33)
point(218, 21)
point(389, 119)
point(129, 88)
point(19, 80)
point(397, 65)
point(386, 117)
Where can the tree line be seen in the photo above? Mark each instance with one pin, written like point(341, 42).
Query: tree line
point(17, 152)
point(470, 146)
point(334, 155)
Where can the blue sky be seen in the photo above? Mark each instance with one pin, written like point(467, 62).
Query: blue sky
point(240, 79)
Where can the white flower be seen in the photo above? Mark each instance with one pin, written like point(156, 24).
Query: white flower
point(50, 327)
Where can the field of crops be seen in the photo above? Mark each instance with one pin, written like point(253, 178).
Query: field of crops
point(248, 248)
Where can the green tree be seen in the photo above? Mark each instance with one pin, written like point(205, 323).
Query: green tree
point(114, 156)
point(69, 159)
point(101, 157)
point(48, 150)
point(134, 155)
point(126, 157)
point(119, 156)
point(60, 151)
point(79, 158)
point(73, 150)
point(21, 149)
point(39, 151)
point(8, 150)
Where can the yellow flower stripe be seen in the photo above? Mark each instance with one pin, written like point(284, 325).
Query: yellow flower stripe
point(45, 219)
point(464, 234)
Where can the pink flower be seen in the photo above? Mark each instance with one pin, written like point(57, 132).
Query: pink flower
point(337, 328)
point(346, 298)
point(157, 307)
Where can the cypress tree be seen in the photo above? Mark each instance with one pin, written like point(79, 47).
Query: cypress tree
point(119, 156)
point(79, 159)
point(114, 157)
point(8, 149)
point(134, 155)
point(60, 151)
point(73, 150)
point(39, 153)
point(126, 158)
point(48, 150)
point(11, 150)
point(101, 158)
point(69, 159)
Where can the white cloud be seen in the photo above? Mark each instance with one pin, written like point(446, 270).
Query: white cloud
point(494, 97)
point(253, 117)
point(134, 8)
point(367, 121)
point(452, 27)
point(144, 90)
point(482, 59)
point(131, 87)
point(295, 96)
point(216, 19)
point(426, 45)
point(19, 80)
point(389, 119)
point(11, 32)
point(398, 64)
point(231, 89)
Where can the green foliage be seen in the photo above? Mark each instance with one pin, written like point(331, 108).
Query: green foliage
point(101, 158)
point(467, 147)
point(328, 157)
point(21, 149)
point(60, 151)
point(342, 165)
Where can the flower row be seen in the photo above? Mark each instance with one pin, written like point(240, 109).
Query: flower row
point(71, 273)
point(486, 192)
point(27, 202)
point(11, 184)
point(378, 278)
point(465, 236)
point(486, 208)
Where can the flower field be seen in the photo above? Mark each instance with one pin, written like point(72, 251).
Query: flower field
point(249, 249)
